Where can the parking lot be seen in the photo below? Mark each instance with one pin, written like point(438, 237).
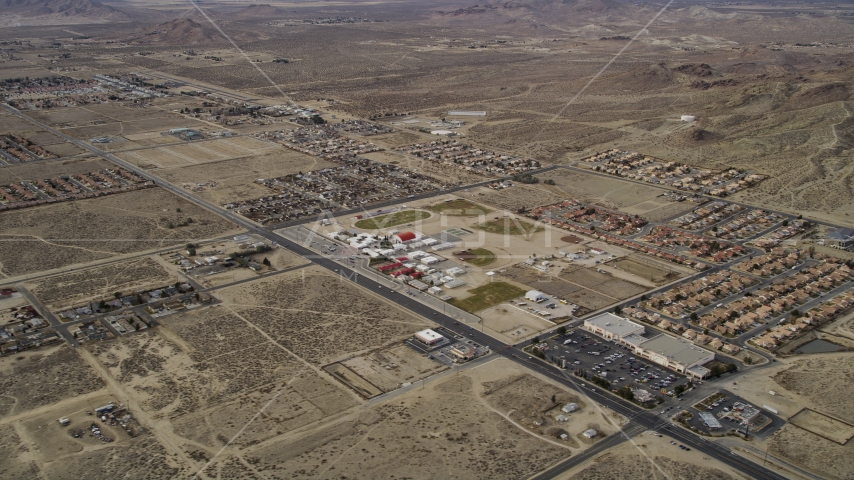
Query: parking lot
point(730, 411)
point(616, 363)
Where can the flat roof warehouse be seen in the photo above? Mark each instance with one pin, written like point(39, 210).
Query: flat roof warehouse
point(675, 349)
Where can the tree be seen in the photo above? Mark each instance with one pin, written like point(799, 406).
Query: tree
point(785, 223)
point(535, 340)
point(561, 330)
point(266, 261)
point(643, 298)
point(694, 316)
point(748, 360)
point(626, 392)
point(706, 331)
point(618, 310)
point(678, 389)
point(554, 399)
point(118, 295)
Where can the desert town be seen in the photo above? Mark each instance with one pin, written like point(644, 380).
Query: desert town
point(207, 275)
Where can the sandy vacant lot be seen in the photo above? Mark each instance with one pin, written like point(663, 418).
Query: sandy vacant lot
point(388, 369)
point(519, 196)
point(616, 194)
point(53, 236)
point(822, 382)
point(15, 457)
point(320, 316)
point(75, 288)
point(196, 153)
point(37, 378)
point(450, 427)
point(651, 457)
point(235, 178)
point(214, 371)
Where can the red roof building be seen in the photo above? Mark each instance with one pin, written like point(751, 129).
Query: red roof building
point(404, 237)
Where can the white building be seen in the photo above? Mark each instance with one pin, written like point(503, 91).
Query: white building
point(613, 327)
point(676, 354)
point(570, 407)
point(535, 296)
point(455, 271)
point(429, 337)
point(429, 260)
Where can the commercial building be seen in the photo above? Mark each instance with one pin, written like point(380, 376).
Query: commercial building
point(403, 237)
point(672, 352)
point(462, 352)
point(613, 327)
point(535, 296)
point(676, 354)
point(466, 113)
point(841, 238)
point(429, 337)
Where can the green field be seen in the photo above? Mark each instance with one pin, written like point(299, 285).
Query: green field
point(392, 219)
point(459, 208)
point(482, 257)
point(487, 296)
point(506, 225)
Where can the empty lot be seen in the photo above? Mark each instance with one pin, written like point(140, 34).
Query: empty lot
point(63, 234)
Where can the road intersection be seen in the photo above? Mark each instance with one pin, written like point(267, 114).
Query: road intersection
point(641, 420)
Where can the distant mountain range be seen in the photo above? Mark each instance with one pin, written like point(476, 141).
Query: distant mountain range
point(185, 31)
point(40, 12)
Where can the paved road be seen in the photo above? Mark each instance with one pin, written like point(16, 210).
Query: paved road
point(61, 329)
point(629, 431)
point(640, 416)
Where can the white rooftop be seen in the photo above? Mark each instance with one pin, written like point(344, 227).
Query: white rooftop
point(615, 324)
point(429, 335)
point(679, 350)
